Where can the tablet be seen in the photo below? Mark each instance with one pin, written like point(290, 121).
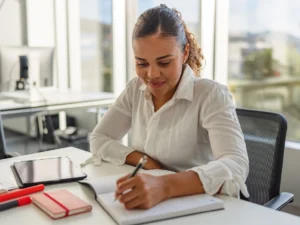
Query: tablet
point(47, 171)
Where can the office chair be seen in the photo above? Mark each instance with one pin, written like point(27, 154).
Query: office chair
point(265, 134)
point(3, 150)
point(2, 141)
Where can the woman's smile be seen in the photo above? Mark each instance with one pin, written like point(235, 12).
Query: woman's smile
point(156, 84)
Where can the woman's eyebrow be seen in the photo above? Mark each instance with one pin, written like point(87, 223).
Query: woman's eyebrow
point(165, 56)
point(140, 58)
point(158, 58)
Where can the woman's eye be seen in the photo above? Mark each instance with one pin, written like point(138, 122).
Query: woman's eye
point(141, 64)
point(164, 63)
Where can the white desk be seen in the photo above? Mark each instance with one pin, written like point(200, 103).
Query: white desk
point(237, 212)
point(54, 101)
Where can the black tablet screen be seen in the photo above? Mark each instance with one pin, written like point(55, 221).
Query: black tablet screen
point(48, 170)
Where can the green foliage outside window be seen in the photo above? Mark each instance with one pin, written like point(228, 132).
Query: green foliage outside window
point(259, 64)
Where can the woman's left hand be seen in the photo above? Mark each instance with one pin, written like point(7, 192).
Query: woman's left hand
point(141, 191)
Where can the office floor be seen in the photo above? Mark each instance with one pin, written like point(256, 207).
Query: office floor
point(292, 209)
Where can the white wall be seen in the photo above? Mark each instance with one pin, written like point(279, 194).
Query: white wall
point(40, 23)
point(12, 23)
point(13, 33)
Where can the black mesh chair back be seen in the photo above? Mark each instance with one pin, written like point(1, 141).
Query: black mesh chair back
point(2, 140)
point(264, 134)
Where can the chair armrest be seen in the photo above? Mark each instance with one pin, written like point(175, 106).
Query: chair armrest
point(280, 201)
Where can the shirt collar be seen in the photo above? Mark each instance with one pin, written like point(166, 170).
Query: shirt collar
point(185, 89)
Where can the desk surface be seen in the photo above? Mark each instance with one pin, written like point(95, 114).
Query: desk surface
point(56, 100)
point(236, 212)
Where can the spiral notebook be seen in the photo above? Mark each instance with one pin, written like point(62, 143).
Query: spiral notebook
point(104, 189)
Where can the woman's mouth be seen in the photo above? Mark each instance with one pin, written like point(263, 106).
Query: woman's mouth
point(157, 84)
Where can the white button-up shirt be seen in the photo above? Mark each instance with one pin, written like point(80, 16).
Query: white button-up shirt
point(196, 130)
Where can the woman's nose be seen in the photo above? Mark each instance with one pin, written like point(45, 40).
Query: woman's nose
point(153, 72)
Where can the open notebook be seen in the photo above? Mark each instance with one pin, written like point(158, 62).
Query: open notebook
point(104, 189)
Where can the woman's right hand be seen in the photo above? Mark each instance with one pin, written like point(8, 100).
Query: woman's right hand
point(134, 157)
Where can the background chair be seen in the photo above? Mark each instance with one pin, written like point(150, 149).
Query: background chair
point(3, 150)
point(265, 134)
point(2, 141)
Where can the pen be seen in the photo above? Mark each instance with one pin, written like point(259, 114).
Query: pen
point(140, 165)
point(21, 192)
point(25, 200)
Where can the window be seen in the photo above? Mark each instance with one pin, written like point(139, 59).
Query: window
point(96, 45)
point(264, 57)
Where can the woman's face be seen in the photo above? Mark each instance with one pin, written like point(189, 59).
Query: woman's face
point(159, 64)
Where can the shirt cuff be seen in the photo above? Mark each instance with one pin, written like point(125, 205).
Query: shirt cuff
point(215, 176)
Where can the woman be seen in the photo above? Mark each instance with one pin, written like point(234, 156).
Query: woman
point(182, 123)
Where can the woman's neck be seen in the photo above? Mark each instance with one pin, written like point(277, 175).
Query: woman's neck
point(158, 102)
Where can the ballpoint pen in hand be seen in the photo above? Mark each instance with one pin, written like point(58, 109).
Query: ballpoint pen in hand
point(140, 165)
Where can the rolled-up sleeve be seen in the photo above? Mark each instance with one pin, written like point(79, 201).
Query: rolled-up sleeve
point(229, 170)
point(105, 140)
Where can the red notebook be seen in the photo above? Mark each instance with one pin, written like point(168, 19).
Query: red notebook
point(60, 203)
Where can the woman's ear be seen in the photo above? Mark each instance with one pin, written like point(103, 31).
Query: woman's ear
point(186, 53)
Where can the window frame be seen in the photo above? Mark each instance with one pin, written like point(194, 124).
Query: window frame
point(221, 41)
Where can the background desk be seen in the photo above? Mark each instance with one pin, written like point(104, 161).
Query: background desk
point(55, 101)
point(237, 212)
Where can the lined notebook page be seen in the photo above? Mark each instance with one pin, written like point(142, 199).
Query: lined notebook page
point(170, 208)
point(108, 183)
point(103, 184)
